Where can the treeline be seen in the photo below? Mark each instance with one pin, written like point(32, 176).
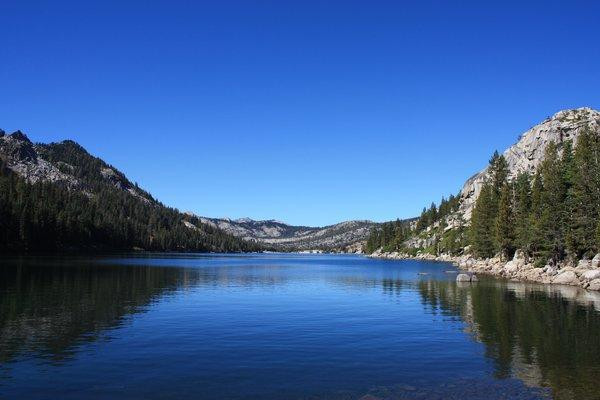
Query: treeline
point(433, 214)
point(48, 217)
point(389, 236)
point(551, 215)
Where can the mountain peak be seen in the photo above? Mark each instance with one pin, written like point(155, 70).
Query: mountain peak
point(576, 113)
point(20, 136)
point(17, 147)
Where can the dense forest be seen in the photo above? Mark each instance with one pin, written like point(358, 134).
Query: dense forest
point(391, 236)
point(551, 214)
point(100, 215)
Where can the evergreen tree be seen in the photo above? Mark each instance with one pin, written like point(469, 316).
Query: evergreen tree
point(50, 217)
point(550, 224)
point(498, 169)
point(584, 197)
point(482, 223)
point(522, 210)
point(505, 223)
point(485, 213)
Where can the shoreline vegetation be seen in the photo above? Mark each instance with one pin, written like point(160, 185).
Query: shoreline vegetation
point(532, 215)
point(584, 274)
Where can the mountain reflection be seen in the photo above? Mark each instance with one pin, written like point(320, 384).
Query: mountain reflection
point(545, 336)
point(50, 306)
point(49, 309)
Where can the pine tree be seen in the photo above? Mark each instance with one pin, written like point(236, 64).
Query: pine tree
point(522, 210)
point(505, 223)
point(584, 197)
point(550, 225)
point(536, 215)
point(482, 223)
point(499, 175)
point(485, 213)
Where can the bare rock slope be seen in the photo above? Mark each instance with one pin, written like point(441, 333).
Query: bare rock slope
point(528, 152)
point(345, 236)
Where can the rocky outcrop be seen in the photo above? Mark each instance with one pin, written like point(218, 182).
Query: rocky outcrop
point(21, 156)
point(585, 274)
point(528, 152)
point(119, 181)
point(346, 236)
point(30, 161)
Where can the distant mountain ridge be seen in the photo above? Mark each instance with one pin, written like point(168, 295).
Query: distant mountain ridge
point(80, 178)
point(345, 236)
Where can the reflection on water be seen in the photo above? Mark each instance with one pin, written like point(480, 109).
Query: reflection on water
point(273, 326)
point(47, 308)
point(543, 335)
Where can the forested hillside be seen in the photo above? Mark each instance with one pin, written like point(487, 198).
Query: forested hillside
point(550, 215)
point(428, 232)
point(58, 197)
point(541, 196)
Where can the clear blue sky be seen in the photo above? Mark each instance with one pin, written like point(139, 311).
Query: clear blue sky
point(307, 112)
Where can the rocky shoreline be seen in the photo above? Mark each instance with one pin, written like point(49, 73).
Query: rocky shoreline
point(584, 274)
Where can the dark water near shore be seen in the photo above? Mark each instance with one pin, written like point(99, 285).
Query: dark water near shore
point(287, 327)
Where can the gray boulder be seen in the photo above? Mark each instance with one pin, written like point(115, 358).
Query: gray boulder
point(591, 274)
point(511, 267)
point(566, 278)
point(596, 261)
point(594, 285)
point(584, 264)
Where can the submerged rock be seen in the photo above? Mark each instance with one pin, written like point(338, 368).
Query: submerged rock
point(463, 278)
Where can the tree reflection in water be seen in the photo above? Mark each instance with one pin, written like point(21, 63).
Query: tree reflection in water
point(543, 335)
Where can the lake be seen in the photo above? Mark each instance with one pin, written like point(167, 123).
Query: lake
point(287, 326)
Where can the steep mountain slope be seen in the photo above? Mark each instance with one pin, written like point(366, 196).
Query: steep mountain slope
point(528, 152)
point(345, 236)
point(59, 197)
point(446, 228)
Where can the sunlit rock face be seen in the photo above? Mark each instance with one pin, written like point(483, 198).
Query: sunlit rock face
point(34, 163)
point(21, 156)
point(528, 152)
point(346, 236)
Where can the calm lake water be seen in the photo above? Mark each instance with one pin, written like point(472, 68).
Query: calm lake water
point(273, 326)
